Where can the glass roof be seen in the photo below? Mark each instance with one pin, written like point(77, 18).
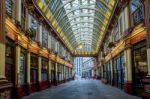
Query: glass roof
point(79, 21)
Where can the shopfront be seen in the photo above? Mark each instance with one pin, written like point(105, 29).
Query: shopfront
point(44, 74)
point(140, 68)
point(119, 71)
point(23, 73)
point(108, 71)
point(34, 72)
point(67, 73)
point(59, 73)
point(52, 72)
point(10, 63)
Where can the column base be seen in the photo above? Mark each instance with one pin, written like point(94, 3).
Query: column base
point(55, 83)
point(21, 91)
point(34, 87)
point(29, 88)
point(146, 93)
point(128, 87)
point(64, 80)
point(5, 89)
point(49, 83)
point(43, 85)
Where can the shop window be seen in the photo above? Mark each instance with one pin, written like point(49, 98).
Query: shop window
point(59, 72)
point(34, 68)
point(115, 76)
point(122, 68)
point(9, 54)
point(45, 38)
point(9, 7)
point(67, 76)
point(52, 71)
point(140, 59)
point(44, 69)
point(116, 33)
point(119, 70)
point(22, 68)
point(108, 71)
point(33, 29)
point(53, 43)
point(137, 11)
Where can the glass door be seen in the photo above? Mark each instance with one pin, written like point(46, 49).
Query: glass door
point(140, 67)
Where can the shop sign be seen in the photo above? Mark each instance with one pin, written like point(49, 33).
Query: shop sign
point(147, 88)
point(5, 94)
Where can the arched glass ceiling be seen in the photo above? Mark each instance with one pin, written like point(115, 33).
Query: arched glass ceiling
point(79, 21)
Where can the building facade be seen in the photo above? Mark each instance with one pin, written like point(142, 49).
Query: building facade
point(32, 57)
point(78, 64)
point(124, 56)
point(88, 68)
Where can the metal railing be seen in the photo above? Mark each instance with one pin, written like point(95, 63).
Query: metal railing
point(138, 15)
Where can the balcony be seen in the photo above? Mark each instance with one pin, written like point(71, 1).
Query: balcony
point(138, 15)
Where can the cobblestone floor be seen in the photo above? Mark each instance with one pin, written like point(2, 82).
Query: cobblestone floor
point(81, 89)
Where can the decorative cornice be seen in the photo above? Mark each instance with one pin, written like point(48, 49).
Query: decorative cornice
point(16, 35)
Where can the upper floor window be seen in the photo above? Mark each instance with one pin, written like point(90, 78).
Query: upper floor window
point(23, 14)
point(9, 7)
point(137, 10)
point(53, 42)
point(34, 26)
point(45, 38)
point(116, 32)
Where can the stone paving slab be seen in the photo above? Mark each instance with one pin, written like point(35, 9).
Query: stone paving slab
point(81, 89)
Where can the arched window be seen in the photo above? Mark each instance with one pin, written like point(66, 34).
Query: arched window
point(137, 10)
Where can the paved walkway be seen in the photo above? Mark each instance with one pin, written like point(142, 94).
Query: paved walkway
point(81, 89)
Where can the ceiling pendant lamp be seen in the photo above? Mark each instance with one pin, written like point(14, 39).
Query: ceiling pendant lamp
point(80, 46)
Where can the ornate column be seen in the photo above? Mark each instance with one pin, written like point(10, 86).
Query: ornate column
point(111, 69)
point(17, 72)
point(2, 40)
point(55, 70)
point(128, 82)
point(39, 72)
point(49, 72)
point(28, 19)
point(146, 81)
point(102, 71)
point(55, 75)
point(39, 37)
point(28, 71)
point(18, 10)
point(96, 67)
point(64, 73)
point(147, 24)
point(73, 73)
point(5, 86)
point(17, 64)
point(68, 73)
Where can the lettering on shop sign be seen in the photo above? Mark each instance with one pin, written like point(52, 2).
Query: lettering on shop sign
point(5, 94)
point(147, 88)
